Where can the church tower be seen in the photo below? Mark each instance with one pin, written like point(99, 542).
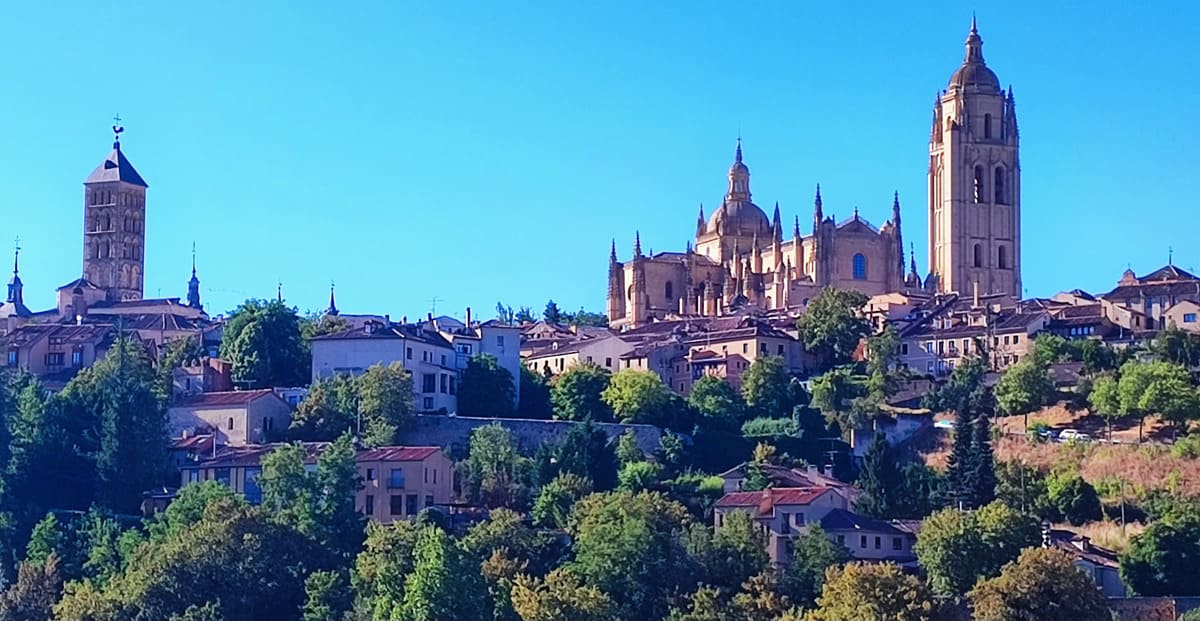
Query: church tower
point(974, 182)
point(114, 217)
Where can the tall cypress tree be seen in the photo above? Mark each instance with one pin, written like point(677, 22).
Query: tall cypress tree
point(983, 465)
point(879, 480)
point(959, 467)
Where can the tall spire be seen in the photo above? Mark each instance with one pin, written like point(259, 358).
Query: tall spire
point(818, 212)
point(700, 223)
point(279, 291)
point(612, 254)
point(796, 228)
point(896, 207)
point(776, 223)
point(637, 244)
point(737, 157)
point(15, 287)
point(193, 296)
point(333, 309)
point(974, 45)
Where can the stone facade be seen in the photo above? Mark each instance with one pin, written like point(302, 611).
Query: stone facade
point(114, 232)
point(974, 183)
point(743, 260)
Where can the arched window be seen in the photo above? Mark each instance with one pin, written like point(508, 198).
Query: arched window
point(987, 126)
point(1002, 257)
point(998, 186)
point(629, 293)
point(978, 189)
point(669, 292)
point(860, 267)
point(978, 256)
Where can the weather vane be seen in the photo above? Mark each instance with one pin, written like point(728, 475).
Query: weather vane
point(117, 128)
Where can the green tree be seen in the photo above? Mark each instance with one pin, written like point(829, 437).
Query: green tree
point(813, 554)
point(983, 464)
point(318, 504)
point(487, 389)
point(720, 407)
point(1025, 387)
point(534, 401)
point(869, 592)
point(33, 595)
point(637, 476)
point(445, 585)
point(496, 473)
point(832, 325)
point(1145, 389)
point(844, 399)
point(1050, 348)
point(385, 403)
point(638, 396)
point(557, 498)
point(731, 555)
point(576, 394)
point(262, 341)
point(879, 479)
point(1164, 559)
point(561, 595)
point(1043, 584)
point(552, 314)
point(628, 449)
point(582, 317)
point(329, 409)
point(188, 508)
point(756, 469)
point(381, 569)
point(1074, 498)
point(506, 531)
point(1023, 487)
point(48, 538)
point(922, 491)
point(327, 596)
point(1177, 346)
point(766, 387)
point(629, 544)
point(957, 548)
point(1105, 399)
point(881, 351)
point(587, 452)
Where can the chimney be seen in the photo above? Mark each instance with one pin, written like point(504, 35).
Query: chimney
point(404, 320)
point(975, 294)
point(429, 317)
point(468, 316)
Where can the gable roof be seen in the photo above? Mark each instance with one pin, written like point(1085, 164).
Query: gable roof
point(232, 398)
point(839, 519)
point(116, 167)
point(766, 500)
point(251, 455)
point(80, 282)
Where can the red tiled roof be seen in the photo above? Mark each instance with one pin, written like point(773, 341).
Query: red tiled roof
point(251, 455)
point(222, 399)
point(397, 453)
point(767, 499)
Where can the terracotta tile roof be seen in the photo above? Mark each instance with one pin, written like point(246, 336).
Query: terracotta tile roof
point(251, 455)
point(71, 334)
point(397, 453)
point(767, 499)
point(390, 331)
point(222, 399)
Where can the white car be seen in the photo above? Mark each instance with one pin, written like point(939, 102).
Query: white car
point(1073, 435)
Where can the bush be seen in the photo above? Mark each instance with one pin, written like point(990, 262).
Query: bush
point(1187, 446)
point(1074, 498)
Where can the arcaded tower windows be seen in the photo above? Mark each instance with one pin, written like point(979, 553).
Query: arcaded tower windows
point(977, 190)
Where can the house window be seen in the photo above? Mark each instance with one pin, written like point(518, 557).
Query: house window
point(500, 341)
point(670, 294)
point(230, 426)
point(395, 504)
point(427, 403)
point(897, 543)
point(745, 348)
point(12, 357)
point(222, 476)
point(443, 359)
point(862, 542)
point(787, 521)
point(781, 350)
point(860, 266)
point(410, 504)
point(1189, 318)
point(1016, 339)
point(250, 490)
point(428, 383)
point(370, 474)
point(54, 358)
point(608, 362)
point(453, 381)
point(904, 349)
point(841, 539)
point(396, 479)
point(408, 354)
point(445, 383)
point(77, 358)
point(428, 500)
point(369, 509)
point(878, 542)
point(799, 519)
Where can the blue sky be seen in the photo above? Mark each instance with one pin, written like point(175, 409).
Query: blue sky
point(475, 152)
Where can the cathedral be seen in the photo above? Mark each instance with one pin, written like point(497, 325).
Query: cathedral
point(742, 260)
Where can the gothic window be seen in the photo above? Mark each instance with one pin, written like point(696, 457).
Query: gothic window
point(978, 256)
point(1002, 257)
point(108, 223)
point(999, 186)
point(103, 251)
point(860, 267)
point(669, 292)
point(978, 188)
point(987, 126)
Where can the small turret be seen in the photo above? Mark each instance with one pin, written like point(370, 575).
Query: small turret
point(16, 288)
point(637, 244)
point(818, 212)
point(333, 309)
point(700, 222)
point(193, 296)
point(776, 224)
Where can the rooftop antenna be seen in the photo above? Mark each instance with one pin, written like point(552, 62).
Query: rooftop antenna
point(433, 304)
point(1170, 256)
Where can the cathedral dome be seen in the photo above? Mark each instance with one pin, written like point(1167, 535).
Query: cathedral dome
point(740, 218)
point(974, 72)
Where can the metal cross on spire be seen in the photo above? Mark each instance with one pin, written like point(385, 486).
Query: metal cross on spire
point(117, 129)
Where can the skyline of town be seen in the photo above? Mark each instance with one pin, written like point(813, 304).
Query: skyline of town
point(572, 275)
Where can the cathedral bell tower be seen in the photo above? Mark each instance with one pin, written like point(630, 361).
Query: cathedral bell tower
point(114, 218)
point(975, 182)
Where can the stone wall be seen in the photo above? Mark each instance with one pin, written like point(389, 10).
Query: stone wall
point(453, 433)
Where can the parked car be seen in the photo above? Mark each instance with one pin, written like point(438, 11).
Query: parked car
point(1049, 435)
point(1073, 435)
